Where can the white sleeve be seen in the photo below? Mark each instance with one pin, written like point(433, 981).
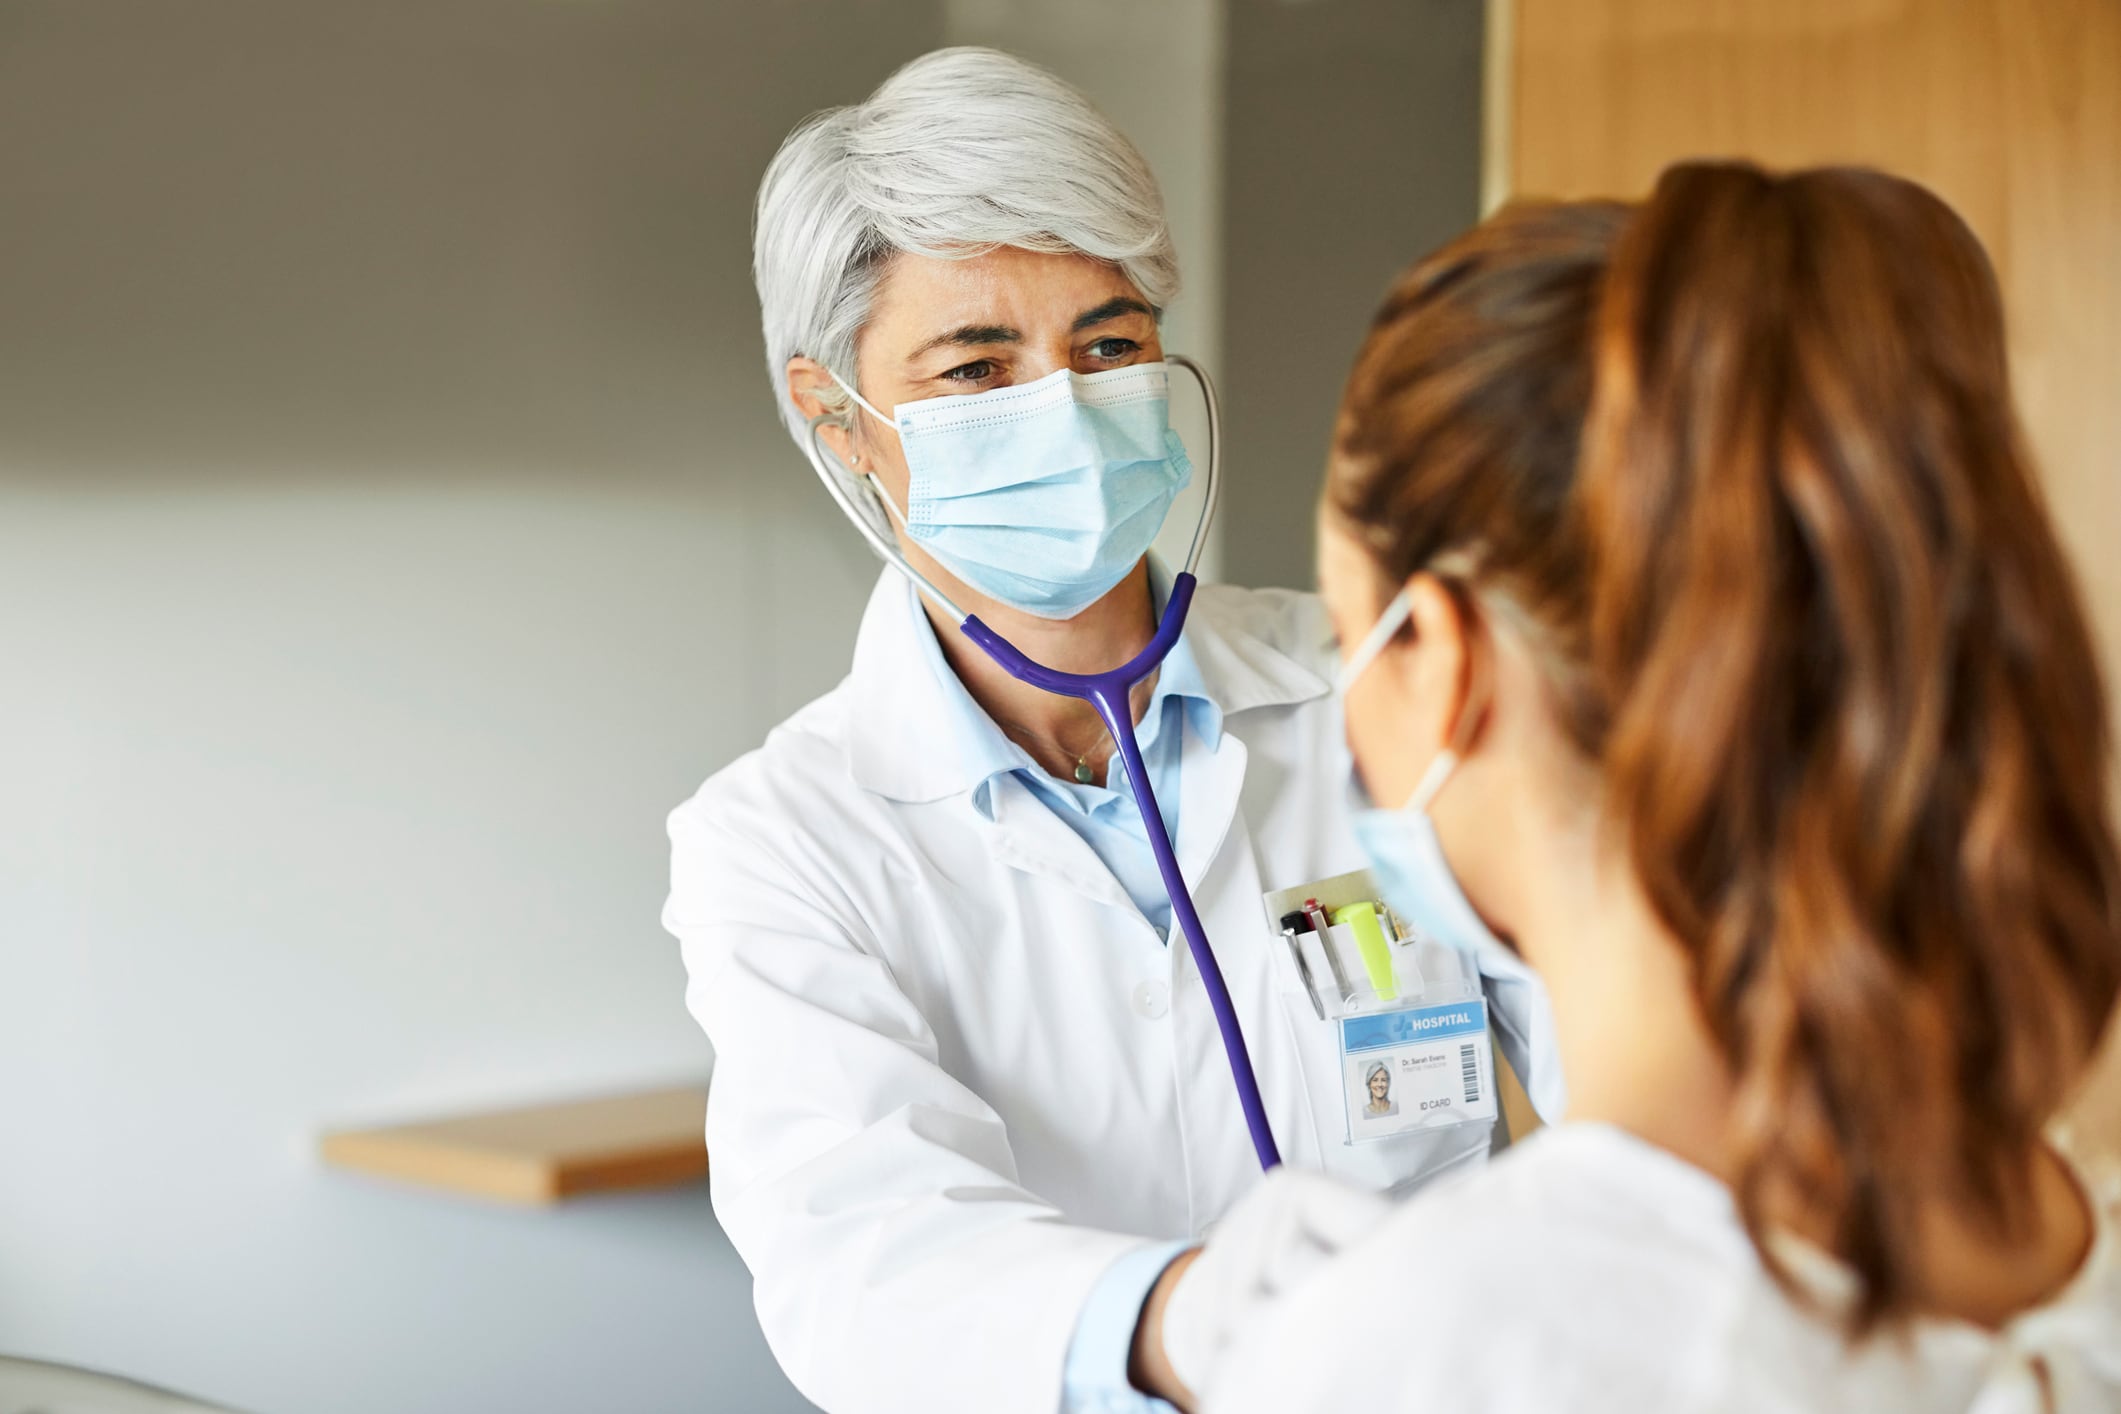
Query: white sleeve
point(897, 1262)
point(1341, 1341)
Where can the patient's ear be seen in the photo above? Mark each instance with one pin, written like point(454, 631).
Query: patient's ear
point(1435, 666)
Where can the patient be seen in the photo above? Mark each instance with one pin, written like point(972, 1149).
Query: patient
point(1770, 733)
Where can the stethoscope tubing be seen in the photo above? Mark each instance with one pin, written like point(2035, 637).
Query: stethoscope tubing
point(1108, 693)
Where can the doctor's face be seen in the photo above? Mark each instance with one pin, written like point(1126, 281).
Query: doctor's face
point(943, 327)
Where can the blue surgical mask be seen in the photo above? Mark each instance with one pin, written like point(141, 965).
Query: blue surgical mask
point(1042, 496)
point(1408, 866)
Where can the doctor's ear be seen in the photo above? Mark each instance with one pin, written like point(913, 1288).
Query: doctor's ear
point(810, 387)
point(1439, 664)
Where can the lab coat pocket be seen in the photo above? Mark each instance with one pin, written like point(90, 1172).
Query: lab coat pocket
point(1410, 1152)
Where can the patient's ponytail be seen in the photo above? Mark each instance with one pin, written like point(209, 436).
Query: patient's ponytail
point(1854, 729)
point(1799, 600)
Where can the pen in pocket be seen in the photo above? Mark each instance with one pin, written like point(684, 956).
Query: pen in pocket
point(1303, 969)
point(1324, 928)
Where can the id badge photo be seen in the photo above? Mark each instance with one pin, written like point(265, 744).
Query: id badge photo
point(1416, 1067)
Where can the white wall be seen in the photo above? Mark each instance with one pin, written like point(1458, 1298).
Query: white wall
point(1352, 146)
point(332, 803)
point(383, 443)
point(393, 526)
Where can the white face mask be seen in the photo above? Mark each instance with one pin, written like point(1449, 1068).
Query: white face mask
point(1043, 495)
point(1407, 862)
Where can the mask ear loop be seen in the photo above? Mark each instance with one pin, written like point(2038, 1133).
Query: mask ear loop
point(1470, 715)
point(840, 482)
point(1389, 623)
point(876, 487)
point(867, 406)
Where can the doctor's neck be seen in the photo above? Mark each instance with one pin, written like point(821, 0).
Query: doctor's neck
point(1055, 730)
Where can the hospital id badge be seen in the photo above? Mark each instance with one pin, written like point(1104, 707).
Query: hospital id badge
point(1418, 1067)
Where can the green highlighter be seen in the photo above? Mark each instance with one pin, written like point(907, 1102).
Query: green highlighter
point(1370, 941)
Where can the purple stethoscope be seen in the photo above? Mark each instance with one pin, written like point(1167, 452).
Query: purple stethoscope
point(1108, 693)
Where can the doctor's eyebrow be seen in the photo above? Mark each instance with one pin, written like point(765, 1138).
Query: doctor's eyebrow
point(969, 336)
point(980, 335)
point(1111, 309)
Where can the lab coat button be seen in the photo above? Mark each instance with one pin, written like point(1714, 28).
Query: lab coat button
point(1152, 999)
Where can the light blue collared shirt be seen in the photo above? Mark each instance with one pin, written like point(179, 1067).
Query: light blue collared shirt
point(1094, 1381)
point(1106, 817)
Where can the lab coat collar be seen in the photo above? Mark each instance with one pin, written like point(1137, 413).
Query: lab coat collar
point(905, 741)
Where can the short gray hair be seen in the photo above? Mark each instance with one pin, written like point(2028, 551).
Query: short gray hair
point(960, 152)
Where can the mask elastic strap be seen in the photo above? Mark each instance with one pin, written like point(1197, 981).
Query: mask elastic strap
point(875, 486)
point(867, 406)
point(1448, 759)
point(890, 505)
point(1388, 625)
point(1432, 781)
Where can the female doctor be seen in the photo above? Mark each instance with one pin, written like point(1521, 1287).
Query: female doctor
point(969, 1101)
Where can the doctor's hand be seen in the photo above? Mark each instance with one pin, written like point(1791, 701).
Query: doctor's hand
point(1292, 1224)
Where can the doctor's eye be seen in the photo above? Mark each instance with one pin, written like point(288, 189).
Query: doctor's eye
point(1114, 349)
point(977, 371)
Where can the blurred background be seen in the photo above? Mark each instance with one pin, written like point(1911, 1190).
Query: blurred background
point(395, 524)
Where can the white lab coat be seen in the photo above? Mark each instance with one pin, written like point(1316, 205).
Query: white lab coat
point(957, 1073)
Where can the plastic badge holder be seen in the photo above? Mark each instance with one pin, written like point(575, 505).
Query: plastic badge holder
point(1423, 1062)
point(1415, 1053)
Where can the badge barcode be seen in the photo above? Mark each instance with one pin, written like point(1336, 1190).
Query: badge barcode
point(1470, 1069)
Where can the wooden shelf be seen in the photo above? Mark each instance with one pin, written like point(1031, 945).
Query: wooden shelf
point(541, 1154)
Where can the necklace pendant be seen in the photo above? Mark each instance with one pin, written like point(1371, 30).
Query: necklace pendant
point(1083, 773)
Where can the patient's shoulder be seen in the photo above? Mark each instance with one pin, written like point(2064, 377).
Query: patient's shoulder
point(1523, 1287)
point(1588, 1199)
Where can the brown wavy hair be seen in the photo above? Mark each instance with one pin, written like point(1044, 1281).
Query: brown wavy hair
point(1743, 461)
